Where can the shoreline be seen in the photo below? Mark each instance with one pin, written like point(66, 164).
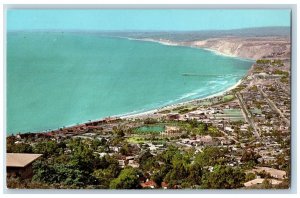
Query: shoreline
point(142, 113)
point(184, 44)
point(135, 115)
point(224, 54)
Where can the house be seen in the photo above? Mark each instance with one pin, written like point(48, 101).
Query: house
point(171, 129)
point(196, 114)
point(173, 116)
point(133, 164)
point(205, 139)
point(112, 120)
point(164, 185)
point(260, 181)
point(129, 158)
point(121, 163)
point(20, 164)
point(279, 174)
point(149, 184)
point(229, 129)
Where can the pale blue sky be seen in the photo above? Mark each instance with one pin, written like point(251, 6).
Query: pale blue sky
point(126, 19)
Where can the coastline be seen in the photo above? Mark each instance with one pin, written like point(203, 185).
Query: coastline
point(150, 112)
point(224, 54)
point(184, 44)
point(143, 113)
point(171, 43)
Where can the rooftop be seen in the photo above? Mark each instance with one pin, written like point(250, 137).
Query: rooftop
point(260, 181)
point(20, 159)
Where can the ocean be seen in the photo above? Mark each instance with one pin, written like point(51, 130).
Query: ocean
point(57, 79)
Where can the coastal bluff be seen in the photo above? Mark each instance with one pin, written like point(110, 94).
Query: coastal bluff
point(247, 47)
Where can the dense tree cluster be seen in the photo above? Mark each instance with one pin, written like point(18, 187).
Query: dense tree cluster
point(76, 163)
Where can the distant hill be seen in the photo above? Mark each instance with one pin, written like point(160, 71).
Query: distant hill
point(183, 36)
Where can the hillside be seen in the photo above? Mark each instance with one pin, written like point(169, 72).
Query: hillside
point(249, 47)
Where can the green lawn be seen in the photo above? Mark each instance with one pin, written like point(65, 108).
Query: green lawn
point(155, 128)
point(135, 140)
point(228, 98)
point(232, 114)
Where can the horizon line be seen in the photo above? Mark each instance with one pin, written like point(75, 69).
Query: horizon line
point(135, 30)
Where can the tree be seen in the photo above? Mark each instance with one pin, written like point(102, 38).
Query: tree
point(149, 165)
point(46, 148)
point(125, 149)
point(203, 128)
point(150, 121)
point(193, 123)
point(18, 148)
point(250, 157)
point(266, 184)
point(284, 185)
point(105, 176)
point(168, 154)
point(84, 158)
point(43, 172)
point(223, 177)
point(70, 175)
point(144, 156)
point(61, 173)
point(178, 174)
point(195, 174)
point(210, 156)
point(119, 132)
point(95, 144)
point(159, 175)
point(250, 176)
point(128, 179)
point(264, 174)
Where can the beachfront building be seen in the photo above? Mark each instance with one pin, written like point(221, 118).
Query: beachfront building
point(20, 164)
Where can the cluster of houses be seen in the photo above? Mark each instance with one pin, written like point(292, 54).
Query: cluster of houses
point(280, 97)
point(269, 102)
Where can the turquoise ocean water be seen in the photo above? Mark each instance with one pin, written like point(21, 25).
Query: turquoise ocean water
point(60, 79)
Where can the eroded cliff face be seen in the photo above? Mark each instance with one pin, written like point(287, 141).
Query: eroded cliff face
point(250, 48)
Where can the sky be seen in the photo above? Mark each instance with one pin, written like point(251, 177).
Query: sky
point(144, 19)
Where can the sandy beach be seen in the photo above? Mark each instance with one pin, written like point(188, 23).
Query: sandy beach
point(150, 112)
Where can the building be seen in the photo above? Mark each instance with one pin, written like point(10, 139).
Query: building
point(149, 184)
point(171, 129)
point(173, 116)
point(260, 181)
point(164, 185)
point(20, 164)
point(275, 173)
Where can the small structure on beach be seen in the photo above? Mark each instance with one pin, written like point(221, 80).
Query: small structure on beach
point(20, 164)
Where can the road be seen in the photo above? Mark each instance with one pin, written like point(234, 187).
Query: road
point(247, 115)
